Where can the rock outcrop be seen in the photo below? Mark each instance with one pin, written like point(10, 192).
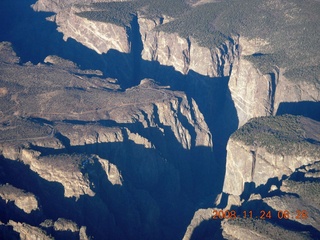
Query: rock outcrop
point(268, 148)
point(65, 225)
point(23, 200)
point(185, 54)
point(257, 94)
point(199, 217)
point(99, 36)
point(27, 231)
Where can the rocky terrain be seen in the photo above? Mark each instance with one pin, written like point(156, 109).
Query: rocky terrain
point(141, 119)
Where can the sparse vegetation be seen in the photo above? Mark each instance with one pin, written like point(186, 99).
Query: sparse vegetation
point(119, 13)
point(264, 228)
point(308, 191)
point(15, 129)
point(280, 134)
point(310, 73)
point(266, 63)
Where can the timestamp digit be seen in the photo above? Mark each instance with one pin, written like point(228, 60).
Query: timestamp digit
point(245, 214)
point(264, 214)
point(302, 214)
point(215, 215)
point(221, 214)
point(233, 214)
point(283, 214)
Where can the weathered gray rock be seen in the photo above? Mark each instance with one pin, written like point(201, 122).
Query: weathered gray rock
point(65, 225)
point(257, 94)
point(23, 200)
point(98, 36)
point(27, 231)
point(251, 91)
point(199, 216)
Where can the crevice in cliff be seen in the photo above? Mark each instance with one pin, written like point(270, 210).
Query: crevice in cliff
point(272, 90)
point(253, 167)
point(136, 49)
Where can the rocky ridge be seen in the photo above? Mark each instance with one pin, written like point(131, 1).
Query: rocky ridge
point(78, 132)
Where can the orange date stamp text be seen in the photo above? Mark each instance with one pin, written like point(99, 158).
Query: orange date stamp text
point(263, 214)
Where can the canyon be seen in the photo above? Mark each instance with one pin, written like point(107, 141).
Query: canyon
point(126, 127)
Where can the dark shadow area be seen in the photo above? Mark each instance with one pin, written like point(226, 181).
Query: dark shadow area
point(305, 108)
point(263, 189)
point(248, 189)
point(34, 38)
point(175, 178)
point(6, 232)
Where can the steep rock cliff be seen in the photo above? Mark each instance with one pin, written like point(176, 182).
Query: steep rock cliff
point(185, 54)
point(99, 36)
point(259, 93)
point(266, 148)
point(169, 49)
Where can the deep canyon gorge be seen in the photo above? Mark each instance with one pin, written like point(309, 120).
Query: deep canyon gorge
point(134, 126)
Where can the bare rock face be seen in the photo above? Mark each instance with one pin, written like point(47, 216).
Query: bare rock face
point(27, 231)
point(61, 168)
point(98, 36)
point(296, 207)
point(259, 151)
point(112, 172)
point(199, 217)
point(251, 91)
point(256, 93)
point(169, 49)
point(23, 200)
point(295, 91)
point(185, 54)
point(65, 225)
point(300, 196)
